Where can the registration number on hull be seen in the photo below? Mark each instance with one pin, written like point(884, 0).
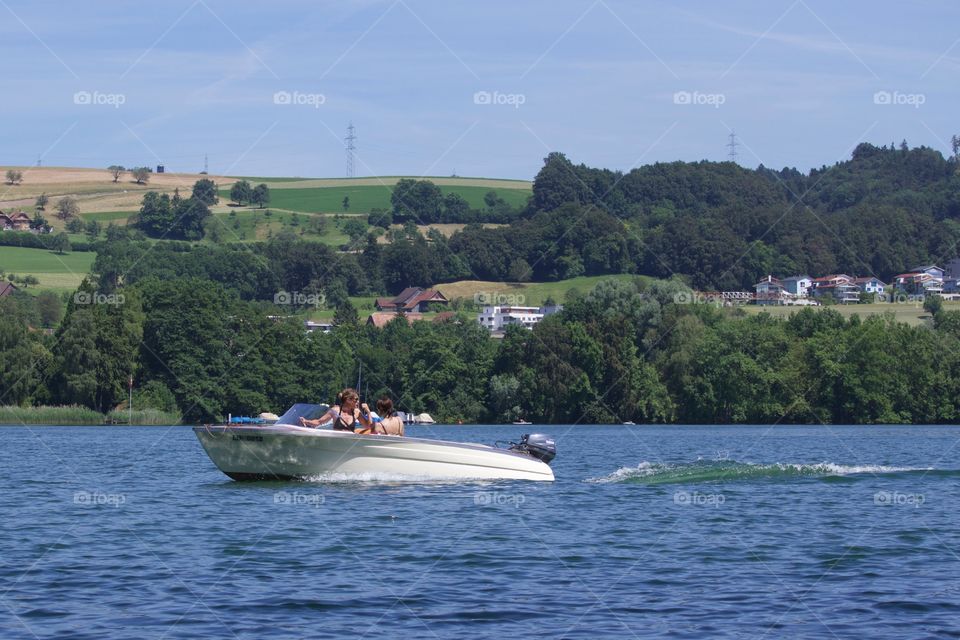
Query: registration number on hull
point(237, 436)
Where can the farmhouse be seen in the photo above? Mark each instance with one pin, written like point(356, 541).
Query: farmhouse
point(411, 300)
point(17, 221)
point(7, 288)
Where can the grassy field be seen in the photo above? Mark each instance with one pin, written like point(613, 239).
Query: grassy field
point(106, 217)
point(363, 198)
point(912, 313)
point(62, 273)
point(523, 293)
point(488, 183)
point(256, 224)
point(94, 189)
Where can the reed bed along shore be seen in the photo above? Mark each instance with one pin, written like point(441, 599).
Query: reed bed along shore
point(76, 415)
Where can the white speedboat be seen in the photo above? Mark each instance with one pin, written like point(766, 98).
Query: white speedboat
point(287, 451)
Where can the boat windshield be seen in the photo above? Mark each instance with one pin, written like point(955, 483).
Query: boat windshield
point(297, 411)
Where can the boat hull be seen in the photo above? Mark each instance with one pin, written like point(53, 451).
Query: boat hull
point(283, 452)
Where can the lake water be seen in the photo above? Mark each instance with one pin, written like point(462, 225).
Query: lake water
point(684, 532)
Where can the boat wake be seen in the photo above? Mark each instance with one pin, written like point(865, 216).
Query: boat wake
point(731, 470)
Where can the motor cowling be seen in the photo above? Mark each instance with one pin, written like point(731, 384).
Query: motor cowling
point(539, 445)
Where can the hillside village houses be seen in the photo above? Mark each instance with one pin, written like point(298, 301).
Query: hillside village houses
point(413, 302)
point(920, 281)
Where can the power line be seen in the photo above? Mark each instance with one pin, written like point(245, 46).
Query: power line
point(351, 149)
point(732, 146)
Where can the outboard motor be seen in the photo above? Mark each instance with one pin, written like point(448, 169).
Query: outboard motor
point(539, 445)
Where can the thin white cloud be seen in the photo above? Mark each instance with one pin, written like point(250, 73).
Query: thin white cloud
point(823, 43)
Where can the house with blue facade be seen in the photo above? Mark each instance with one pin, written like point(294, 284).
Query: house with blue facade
point(798, 285)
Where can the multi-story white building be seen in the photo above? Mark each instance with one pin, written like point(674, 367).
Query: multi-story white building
point(497, 318)
point(323, 327)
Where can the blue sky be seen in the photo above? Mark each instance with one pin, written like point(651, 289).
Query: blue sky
point(479, 88)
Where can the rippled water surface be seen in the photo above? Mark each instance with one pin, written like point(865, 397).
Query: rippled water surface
point(670, 532)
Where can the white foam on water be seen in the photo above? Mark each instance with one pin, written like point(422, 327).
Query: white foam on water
point(729, 470)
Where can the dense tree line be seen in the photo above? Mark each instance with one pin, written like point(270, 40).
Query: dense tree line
point(624, 351)
point(422, 202)
point(258, 271)
point(881, 212)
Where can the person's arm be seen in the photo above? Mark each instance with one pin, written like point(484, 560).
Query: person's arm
point(364, 416)
point(331, 414)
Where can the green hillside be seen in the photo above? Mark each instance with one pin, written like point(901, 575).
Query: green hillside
point(364, 197)
point(54, 271)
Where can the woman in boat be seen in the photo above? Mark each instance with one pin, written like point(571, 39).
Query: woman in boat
point(345, 413)
point(387, 424)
